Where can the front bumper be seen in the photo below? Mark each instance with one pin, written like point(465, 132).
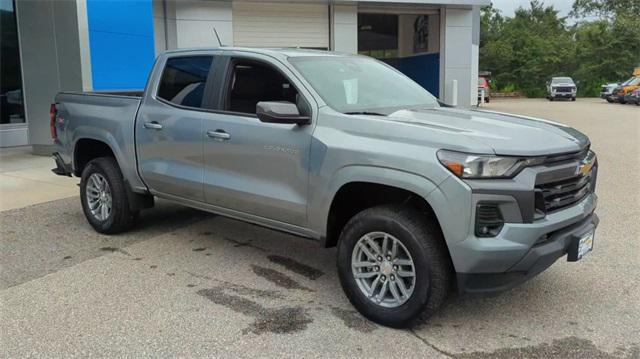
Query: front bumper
point(563, 94)
point(540, 257)
point(538, 222)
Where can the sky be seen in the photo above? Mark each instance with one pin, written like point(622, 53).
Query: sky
point(509, 6)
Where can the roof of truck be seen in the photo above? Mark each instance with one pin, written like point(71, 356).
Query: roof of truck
point(277, 52)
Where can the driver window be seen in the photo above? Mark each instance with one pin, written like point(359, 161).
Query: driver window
point(253, 82)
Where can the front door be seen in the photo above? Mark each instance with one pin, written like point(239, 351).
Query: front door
point(169, 129)
point(254, 167)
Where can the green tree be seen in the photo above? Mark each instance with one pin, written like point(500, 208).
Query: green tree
point(526, 50)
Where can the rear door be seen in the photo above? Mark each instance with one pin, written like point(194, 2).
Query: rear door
point(253, 167)
point(169, 127)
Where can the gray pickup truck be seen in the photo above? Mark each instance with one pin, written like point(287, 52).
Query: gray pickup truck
point(419, 198)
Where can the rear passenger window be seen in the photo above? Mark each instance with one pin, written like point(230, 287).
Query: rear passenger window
point(183, 80)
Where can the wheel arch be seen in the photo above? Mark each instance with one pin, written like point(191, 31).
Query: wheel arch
point(396, 185)
point(88, 148)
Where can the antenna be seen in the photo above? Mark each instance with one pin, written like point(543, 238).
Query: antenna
point(217, 37)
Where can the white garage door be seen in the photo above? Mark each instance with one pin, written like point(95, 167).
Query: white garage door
point(280, 25)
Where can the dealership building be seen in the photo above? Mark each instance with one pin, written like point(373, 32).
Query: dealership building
point(91, 45)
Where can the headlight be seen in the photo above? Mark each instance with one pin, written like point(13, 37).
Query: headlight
point(467, 165)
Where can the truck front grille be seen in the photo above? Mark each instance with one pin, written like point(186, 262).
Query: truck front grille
point(557, 195)
point(564, 89)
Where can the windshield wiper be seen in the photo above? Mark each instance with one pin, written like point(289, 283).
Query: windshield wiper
point(364, 113)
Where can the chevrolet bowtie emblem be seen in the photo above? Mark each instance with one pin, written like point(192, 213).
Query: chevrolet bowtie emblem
point(585, 166)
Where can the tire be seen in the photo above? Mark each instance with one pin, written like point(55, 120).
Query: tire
point(573, 99)
point(609, 100)
point(551, 99)
point(418, 235)
point(119, 218)
point(486, 99)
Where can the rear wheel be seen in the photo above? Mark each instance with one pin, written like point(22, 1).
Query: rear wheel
point(104, 197)
point(573, 99)
point(393, 265)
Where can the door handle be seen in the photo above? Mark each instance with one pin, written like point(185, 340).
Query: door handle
point(152, 125)
point(218, 135)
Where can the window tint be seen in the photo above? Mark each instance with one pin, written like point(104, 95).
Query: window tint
point(252, 82)
point(183, 80)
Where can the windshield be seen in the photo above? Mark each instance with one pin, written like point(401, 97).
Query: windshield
point(361, 84)
point(560, 80)
point(633, 81)
point(627, 82)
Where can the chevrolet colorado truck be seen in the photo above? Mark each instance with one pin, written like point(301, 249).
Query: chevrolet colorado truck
point(419, 198)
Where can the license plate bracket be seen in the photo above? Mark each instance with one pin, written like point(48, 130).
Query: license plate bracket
point(580, 246)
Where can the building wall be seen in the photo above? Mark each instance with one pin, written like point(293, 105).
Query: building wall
point(180, 24)
point(51, 61)
point(459, 59)
point(344, 28)
point(121, 43)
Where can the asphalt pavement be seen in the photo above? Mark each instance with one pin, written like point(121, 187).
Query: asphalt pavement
point(191, 284)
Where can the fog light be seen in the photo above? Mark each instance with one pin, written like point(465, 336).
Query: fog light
point(489, 220)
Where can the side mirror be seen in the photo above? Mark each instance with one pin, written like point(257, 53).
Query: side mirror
point(280, 112)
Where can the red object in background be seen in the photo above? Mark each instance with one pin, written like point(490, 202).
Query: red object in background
point(52, 124)
point(483, 83)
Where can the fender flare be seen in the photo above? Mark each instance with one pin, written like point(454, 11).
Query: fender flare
point(319, 214)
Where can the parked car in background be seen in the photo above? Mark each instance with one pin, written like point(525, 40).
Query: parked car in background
point(417, 197)
point(607, 91)
point(633, 97)
point(484, 81)
point(620, 92)
point(483, 85)
point(561, 87)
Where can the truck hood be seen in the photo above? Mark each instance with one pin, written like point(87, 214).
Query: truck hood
point(506, 134)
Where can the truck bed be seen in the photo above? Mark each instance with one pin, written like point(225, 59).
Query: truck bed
point(103, 116)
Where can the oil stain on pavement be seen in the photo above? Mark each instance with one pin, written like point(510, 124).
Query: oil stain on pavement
point(278, 278)
point(354, 320)
point(266, 320)
point(296, 267)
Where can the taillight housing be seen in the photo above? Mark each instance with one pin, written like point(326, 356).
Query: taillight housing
point(52, 124)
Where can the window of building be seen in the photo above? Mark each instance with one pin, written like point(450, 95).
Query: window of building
point(253, 82)
point(378, 35)
point(183, 80)
point(11, 104)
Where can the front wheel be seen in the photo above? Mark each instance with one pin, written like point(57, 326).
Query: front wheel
point(393, 265)
point(104, 197)
point(573, 99)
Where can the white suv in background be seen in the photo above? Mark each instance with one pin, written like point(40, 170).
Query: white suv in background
point(561, 87)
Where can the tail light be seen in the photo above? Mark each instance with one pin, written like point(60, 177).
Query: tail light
point(52, 123)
